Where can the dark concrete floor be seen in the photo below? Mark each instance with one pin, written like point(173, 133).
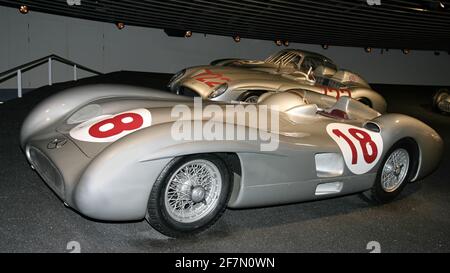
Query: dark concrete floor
point(32, 219)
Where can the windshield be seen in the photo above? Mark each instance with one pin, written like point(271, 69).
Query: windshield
point(316, 61)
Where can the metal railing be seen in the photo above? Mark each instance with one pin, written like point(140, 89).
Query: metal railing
point(19, 70)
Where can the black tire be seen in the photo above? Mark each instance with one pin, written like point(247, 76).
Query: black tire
point(377, 194)
point(250, 96)
point(365, 101)
point(158, 215)
point(436, 98)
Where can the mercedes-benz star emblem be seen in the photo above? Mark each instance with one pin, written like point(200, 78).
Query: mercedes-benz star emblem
point(56, 143)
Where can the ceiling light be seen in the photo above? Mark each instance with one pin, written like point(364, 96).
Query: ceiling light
point(237, 38)
point(441, 4)
point(405, 51)
point(120, 25)
point(188, 34)
point(278, 42)
point(368, 49)
point(23, 9)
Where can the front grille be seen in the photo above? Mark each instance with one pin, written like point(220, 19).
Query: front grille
point(47, 170)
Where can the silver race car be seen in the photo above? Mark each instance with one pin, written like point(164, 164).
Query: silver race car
point(243, 80)
point(121, 153)
point(441, 101)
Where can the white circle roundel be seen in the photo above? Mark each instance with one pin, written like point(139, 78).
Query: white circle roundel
point(360, 148)
point(109, 128)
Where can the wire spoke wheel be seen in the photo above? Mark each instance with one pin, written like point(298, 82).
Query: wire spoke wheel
point(193, 191)
point(189, 195)
point(399, 165)
point(395, 170)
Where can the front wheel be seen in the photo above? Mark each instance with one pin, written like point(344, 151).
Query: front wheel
point(190, 195)
point(393, 174)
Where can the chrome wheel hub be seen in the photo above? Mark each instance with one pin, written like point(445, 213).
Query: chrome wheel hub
point(395, 170)
point(193, 191)
point(198, 194)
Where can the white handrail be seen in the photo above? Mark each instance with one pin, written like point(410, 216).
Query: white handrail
point(19, 83)
point(49, 71)
point(19, 70)
point(75, 77)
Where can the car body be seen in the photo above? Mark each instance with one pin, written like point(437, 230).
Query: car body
point(441, 101)
point(243, 80)
point(121, 176)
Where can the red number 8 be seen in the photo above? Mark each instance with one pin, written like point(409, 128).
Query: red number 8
point(364, 140)
point(118, 125)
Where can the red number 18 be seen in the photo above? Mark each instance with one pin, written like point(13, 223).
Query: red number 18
point(364, 140)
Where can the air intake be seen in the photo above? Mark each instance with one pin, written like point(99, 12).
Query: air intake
point(329, 188)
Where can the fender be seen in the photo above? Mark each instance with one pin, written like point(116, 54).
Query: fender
point(96, 195)
point(395, 127)
point(58, 106)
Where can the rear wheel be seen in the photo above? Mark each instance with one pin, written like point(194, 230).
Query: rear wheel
point(189, 195)
point(393, 175)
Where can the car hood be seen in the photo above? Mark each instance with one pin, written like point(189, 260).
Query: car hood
point(91, 133)
point(104, 113)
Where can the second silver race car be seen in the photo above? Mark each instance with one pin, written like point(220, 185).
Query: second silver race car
point(121, 153)
point(243, 80)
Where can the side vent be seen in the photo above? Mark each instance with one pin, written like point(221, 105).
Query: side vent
point(329, 188)
point(372, 126)
point(329, 164)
